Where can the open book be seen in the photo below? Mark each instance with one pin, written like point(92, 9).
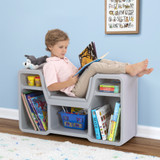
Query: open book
point(88, 56)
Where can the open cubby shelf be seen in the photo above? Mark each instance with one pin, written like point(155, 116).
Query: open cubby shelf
point(94, 98)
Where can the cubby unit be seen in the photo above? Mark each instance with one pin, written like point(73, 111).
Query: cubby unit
point(127, 96)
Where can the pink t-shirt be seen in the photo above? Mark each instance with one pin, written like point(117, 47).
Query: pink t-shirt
point(59, 70)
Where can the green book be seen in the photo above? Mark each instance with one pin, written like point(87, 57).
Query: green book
point(108, 85)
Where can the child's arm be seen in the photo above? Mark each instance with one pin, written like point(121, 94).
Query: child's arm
point(61, 85)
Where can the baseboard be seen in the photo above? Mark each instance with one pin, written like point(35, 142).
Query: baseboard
point(9, 113)
point(148, 132)
point(142, 131)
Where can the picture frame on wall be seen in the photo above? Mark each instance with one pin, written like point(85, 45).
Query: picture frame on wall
point(121, 16)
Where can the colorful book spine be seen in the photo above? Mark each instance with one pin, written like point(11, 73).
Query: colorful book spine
point(117, 126)
point(116, 110)
point(107, 87)
point(114, 122)
point(113, 125)
point(96, 125)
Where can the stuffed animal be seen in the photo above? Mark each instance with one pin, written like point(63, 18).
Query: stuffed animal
point(34, 63)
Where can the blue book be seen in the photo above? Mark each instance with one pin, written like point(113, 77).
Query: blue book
point(96, 125)
point(116, 110)
point(85, 66)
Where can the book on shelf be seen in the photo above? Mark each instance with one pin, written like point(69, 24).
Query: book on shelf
point(37, 119)
point(109, 128)
point(75, 110)
point(114, 123)
point(40, 105)
point(109, 87)
point(33, 115)
point(117, 127)
point(29, 113)
point(95, 124)
point(103, 116)
point(88, 56)
point(112, 129)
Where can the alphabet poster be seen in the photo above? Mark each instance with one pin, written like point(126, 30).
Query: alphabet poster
point(121, 16)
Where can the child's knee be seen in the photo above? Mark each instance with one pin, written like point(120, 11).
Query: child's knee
point(93, 67)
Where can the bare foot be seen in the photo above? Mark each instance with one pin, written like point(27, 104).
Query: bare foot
point(134, 69)
point(146, 71)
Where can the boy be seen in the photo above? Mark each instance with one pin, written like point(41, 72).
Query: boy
point(59, 71)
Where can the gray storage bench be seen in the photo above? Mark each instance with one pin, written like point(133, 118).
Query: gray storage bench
point(94, 98)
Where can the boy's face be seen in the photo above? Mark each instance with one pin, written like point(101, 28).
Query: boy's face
point(59, 49)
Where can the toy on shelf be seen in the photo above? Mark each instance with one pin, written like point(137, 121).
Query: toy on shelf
point(34, 80)
point(34, 63)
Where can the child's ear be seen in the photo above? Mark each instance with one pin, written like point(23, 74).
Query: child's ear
point(50, 47)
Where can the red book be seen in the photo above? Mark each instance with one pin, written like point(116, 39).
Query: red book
point(106, 89)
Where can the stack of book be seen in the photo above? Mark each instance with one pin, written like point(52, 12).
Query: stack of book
point(36, 108)
point(106, 124)
point(109, 88)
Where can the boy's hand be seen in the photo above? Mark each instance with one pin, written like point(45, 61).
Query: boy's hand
point(72, 80)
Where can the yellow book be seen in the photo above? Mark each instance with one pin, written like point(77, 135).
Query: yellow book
point(112, 130)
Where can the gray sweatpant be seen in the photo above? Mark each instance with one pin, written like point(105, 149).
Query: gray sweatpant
point(104, 66)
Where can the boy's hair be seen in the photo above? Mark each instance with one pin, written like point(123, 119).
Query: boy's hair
point(54, 36)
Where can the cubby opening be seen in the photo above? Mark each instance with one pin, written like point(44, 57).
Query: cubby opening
point(24, 79)
point(111, 101)
point(115, 82)
point(34, 119)
point(56, 122)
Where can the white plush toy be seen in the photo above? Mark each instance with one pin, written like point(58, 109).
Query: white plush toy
point(34, 63)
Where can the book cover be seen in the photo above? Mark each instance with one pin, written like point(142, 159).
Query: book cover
point(103, 116)
point(40, 106)
point(95, 124)
point(29, 113)
point(28, 97)
point(87, 57)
